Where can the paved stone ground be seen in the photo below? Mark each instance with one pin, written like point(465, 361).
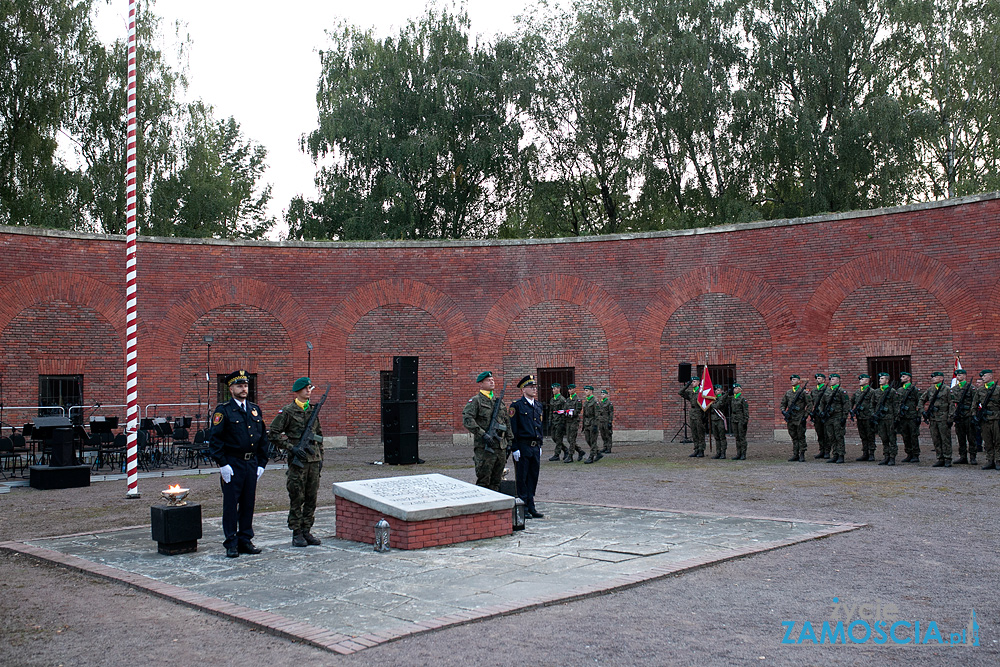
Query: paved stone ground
point(930, 549)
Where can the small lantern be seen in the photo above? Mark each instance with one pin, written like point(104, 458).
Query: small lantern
point(382, 535)
point(518, 514)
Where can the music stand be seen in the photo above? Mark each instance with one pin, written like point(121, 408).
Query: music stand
point(684, 426)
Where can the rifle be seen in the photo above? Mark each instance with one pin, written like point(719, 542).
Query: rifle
point(931, 407)
point(494, 431)
point(297, 455)
point(787, 414)
point(900, 416)
point(960, 410)
point(864, 397)
point(978, 417)
point(881, 409)
point(819, 398)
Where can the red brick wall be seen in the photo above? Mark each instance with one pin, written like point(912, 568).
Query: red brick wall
point(357, 522)
point(773, 298)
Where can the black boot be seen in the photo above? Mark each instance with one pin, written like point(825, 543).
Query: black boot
point(735, 458)
point(568, 458)
point(884, 462)
point(590, 459)
point(938, 464)
point(990, 466)
point(892, 460)
point(962, 461)
point(907, 459)
point(819, 456)
point(833, 459)
point(795, 457)
point(972, 460)
point(743, 456)
point(579, 455)
point(554, 458)
point(915, 458)
point(311, 539)
point(863, 457)
point(701, 455)
point(692, 455)
point(802, 457)
point(298, 540)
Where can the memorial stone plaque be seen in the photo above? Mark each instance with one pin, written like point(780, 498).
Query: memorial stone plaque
point(422, 497)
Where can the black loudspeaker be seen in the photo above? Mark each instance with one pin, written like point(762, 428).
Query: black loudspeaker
point(404, 371)
point(399, 417)
point(62, 448)
point(684, 372)
point(400, 448)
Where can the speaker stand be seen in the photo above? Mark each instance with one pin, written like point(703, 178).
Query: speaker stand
point(684, 426)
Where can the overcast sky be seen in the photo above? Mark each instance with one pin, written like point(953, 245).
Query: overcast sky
point(258, 62)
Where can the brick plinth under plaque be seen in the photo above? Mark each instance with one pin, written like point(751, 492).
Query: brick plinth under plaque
point(176, 529)
point(422, 511)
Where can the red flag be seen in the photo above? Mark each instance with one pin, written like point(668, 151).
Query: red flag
point(706, 392)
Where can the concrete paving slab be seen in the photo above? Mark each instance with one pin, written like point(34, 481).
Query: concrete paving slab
point(344, 596)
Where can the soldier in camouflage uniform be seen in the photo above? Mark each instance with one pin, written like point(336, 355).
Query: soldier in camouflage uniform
point(557, 421)
point(717, 418)
point(884, 418)
point(476, 418)
point(302, 483)
point(862, 405)
point(573, 408)
point(987, 402)
point(606, 417)
point(936, 402)
point(739, 415)
point(590, 424)
point(962, 409)
point(819, 424)
point(695, 416)
point(795, 407)
point(836, 405)
point(908, 422)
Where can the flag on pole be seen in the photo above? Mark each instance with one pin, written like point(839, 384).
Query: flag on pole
point(954, 373)
point(706, 392)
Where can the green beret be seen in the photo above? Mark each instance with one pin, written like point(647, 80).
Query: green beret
point(883, 375)
point(571, 386)
point(737, 385)
point(237, 377)
point(834, 375)
point(863, 376)
point(604, 391)
point(587, 386)
point(794, 377)
point(482, 376)
point(819, 375)
point(984, 372)
point(906, 373)
point(959, 371)
point(556, 385)
point(937, 374)
point(301, 384)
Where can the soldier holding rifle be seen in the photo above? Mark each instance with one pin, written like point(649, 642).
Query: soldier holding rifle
point(489, 424)
point(296, 429)
point(795, 407)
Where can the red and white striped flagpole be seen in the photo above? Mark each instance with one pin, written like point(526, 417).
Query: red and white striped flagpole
point(131, 339)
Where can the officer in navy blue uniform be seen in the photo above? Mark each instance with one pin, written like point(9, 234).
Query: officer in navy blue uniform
point(238, 443)
point(526, 427)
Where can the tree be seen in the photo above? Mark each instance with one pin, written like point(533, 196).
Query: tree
point(416, 135)
point(42, 46)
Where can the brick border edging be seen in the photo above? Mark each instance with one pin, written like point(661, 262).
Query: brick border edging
point(322, 638)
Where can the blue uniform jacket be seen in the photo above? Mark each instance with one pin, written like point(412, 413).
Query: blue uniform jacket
point(235, 434)
point(525, 423)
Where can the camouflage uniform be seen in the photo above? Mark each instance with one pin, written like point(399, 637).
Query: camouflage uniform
point(739, 415)
point(476, 418)
point(716, 412)
point(695, 418)
point(886, 398)
point(819, 424)
point(797, 403)
point(938, 401)
point(573, 408)
point(988, 397)
point(908, 424)
point(606, 418)
point(962, 408)
point(835, 407)
point(862, 405)
point(557, 424)
point(302, 483)
point(590, 427)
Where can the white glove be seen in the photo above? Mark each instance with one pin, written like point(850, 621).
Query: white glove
point(517, 456)
point(570, 412)
point(260, 471)
point(227, 473)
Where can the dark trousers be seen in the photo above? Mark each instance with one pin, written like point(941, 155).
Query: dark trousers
point(238, 498)
point(526, 473)
point(303, 486)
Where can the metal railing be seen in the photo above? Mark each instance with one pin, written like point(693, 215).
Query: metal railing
point(21, 408)
point(81, 408)
point(145, 413)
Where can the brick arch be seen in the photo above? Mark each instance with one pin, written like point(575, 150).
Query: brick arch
point(556, 287)
point(182, 315)
point(737, 283)
point(72, 288)
point(404, 291)
point(947, 286)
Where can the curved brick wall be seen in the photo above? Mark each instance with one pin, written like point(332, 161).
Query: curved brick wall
point(773, 298)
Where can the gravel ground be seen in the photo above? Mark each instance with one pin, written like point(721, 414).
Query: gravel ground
point(929, 548)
